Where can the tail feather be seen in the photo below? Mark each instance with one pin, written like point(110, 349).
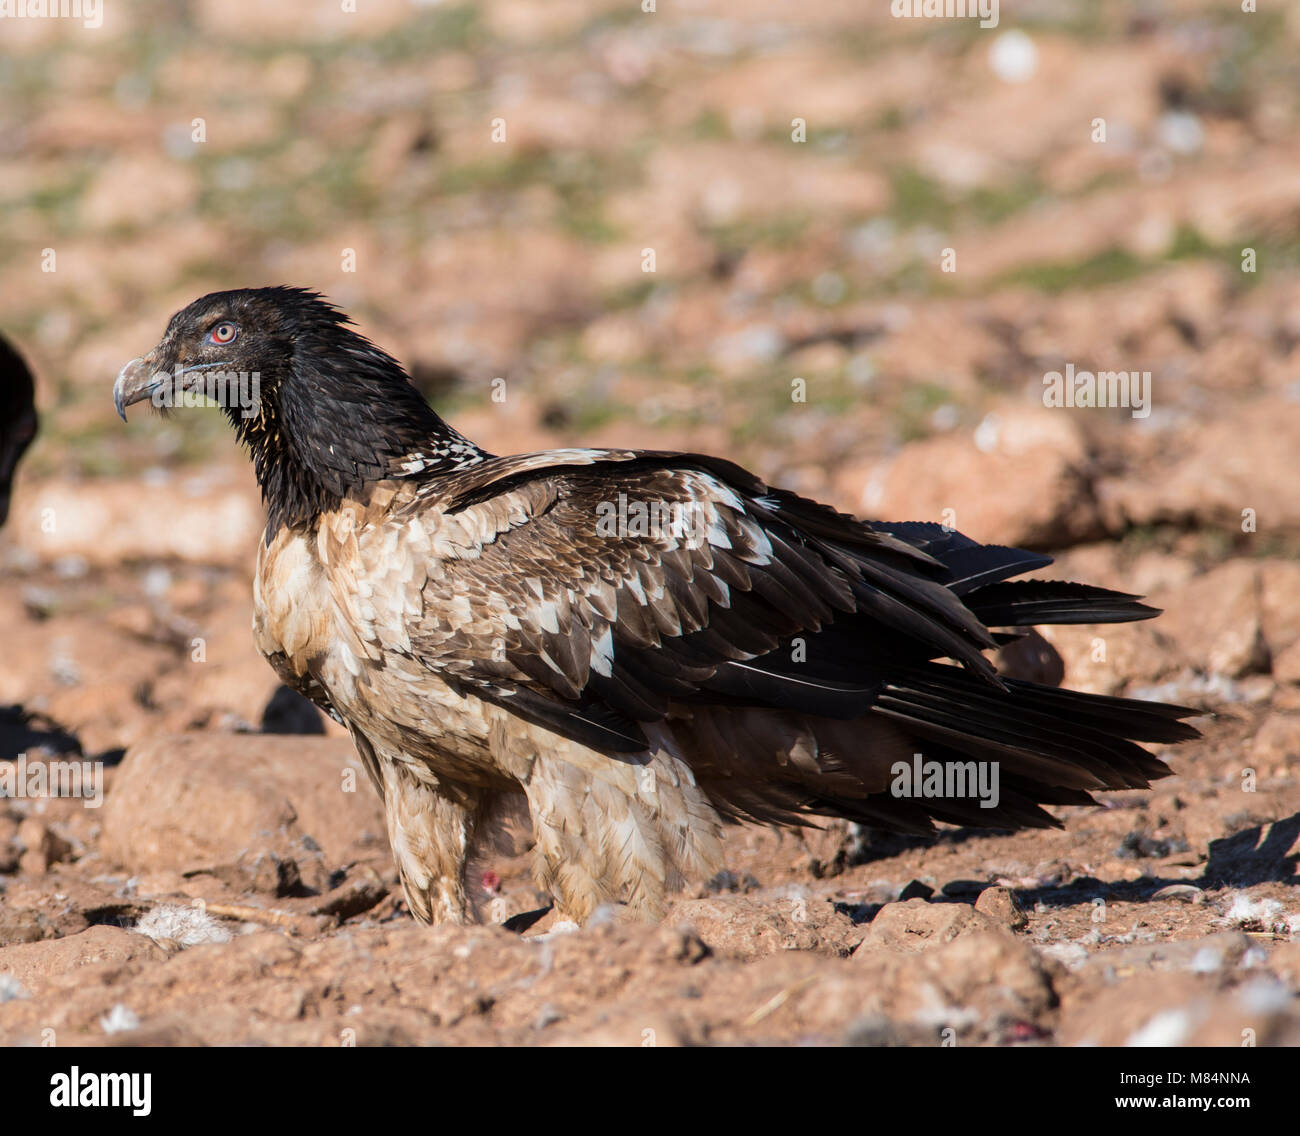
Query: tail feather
point(1133, 717)
point(970, 565)
point(1025, 603)
point(864, 698)
point(1085, 759)
point(1083, 731)
point(1051, 747)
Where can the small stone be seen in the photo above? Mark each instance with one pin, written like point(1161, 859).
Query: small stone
point(42, 845)
point(1000, 905)
point(748, 928)
point(916, 925)
point(873, 1032)
point(1277, 741)
point(680, 944)
point(20, 927)
point(1185, 892)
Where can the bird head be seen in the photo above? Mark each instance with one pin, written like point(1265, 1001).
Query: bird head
point(226, 348)
point(323, 411)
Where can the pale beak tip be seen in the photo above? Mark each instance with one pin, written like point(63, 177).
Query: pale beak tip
point(124, 392)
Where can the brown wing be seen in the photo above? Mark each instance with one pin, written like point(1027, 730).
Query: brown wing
point(589, 597)
point(597, 593)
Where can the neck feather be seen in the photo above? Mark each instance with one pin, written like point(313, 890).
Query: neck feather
point(327, 431)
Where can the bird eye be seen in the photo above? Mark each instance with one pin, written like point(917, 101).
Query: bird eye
point(223, 333)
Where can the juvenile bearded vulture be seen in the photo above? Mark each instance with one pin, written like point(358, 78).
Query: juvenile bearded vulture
point(626, 649)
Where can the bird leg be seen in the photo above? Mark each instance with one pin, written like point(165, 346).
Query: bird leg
point(430, 828)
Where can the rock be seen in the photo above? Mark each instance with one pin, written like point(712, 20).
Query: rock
point(1035, 456)
point(21, 927)
point(1286, 663)
point(288, 712)
point(1280, 611)
point(977, 986)
point(1182, 1010)
point(110, 522)
point(1001, 906)
point(1206, 477)
point(1011, 972)
point(918, 925)
point(1186, 893)
point(89, 675)
point(677, 944)
point(1212, 625)
point(1285, 963)
point(1217, 620)
point(916, 890)
point(1107, 659)
point(205, 801)
point(1277, 742)
point(747, 928)
point(42, 845)
point(35, 964)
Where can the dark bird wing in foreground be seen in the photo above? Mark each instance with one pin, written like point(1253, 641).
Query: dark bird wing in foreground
point(17, 417)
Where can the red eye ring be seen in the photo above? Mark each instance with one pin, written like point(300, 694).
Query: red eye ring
point(223, 333)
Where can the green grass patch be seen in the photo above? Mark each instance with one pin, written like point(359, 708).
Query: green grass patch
point(922, 200)
point(1110, 266)
point(778, 231)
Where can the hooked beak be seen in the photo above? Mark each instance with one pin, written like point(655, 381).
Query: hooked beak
point(136, 382)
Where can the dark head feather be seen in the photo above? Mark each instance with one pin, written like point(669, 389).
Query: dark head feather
point(322, 410)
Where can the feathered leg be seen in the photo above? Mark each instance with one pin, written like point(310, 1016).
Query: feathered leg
point(431, 827)
point(612, 831)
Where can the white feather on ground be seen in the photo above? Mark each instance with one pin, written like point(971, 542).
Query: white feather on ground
point(182, 926)
point(1243, 911)
point(119, 1019)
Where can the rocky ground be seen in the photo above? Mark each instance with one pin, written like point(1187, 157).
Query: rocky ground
point(233, 884)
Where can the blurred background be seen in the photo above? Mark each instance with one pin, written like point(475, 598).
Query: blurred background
point(484, 186)
point(906, 221)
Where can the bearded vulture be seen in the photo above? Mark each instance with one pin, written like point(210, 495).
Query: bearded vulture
point(621, 650)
